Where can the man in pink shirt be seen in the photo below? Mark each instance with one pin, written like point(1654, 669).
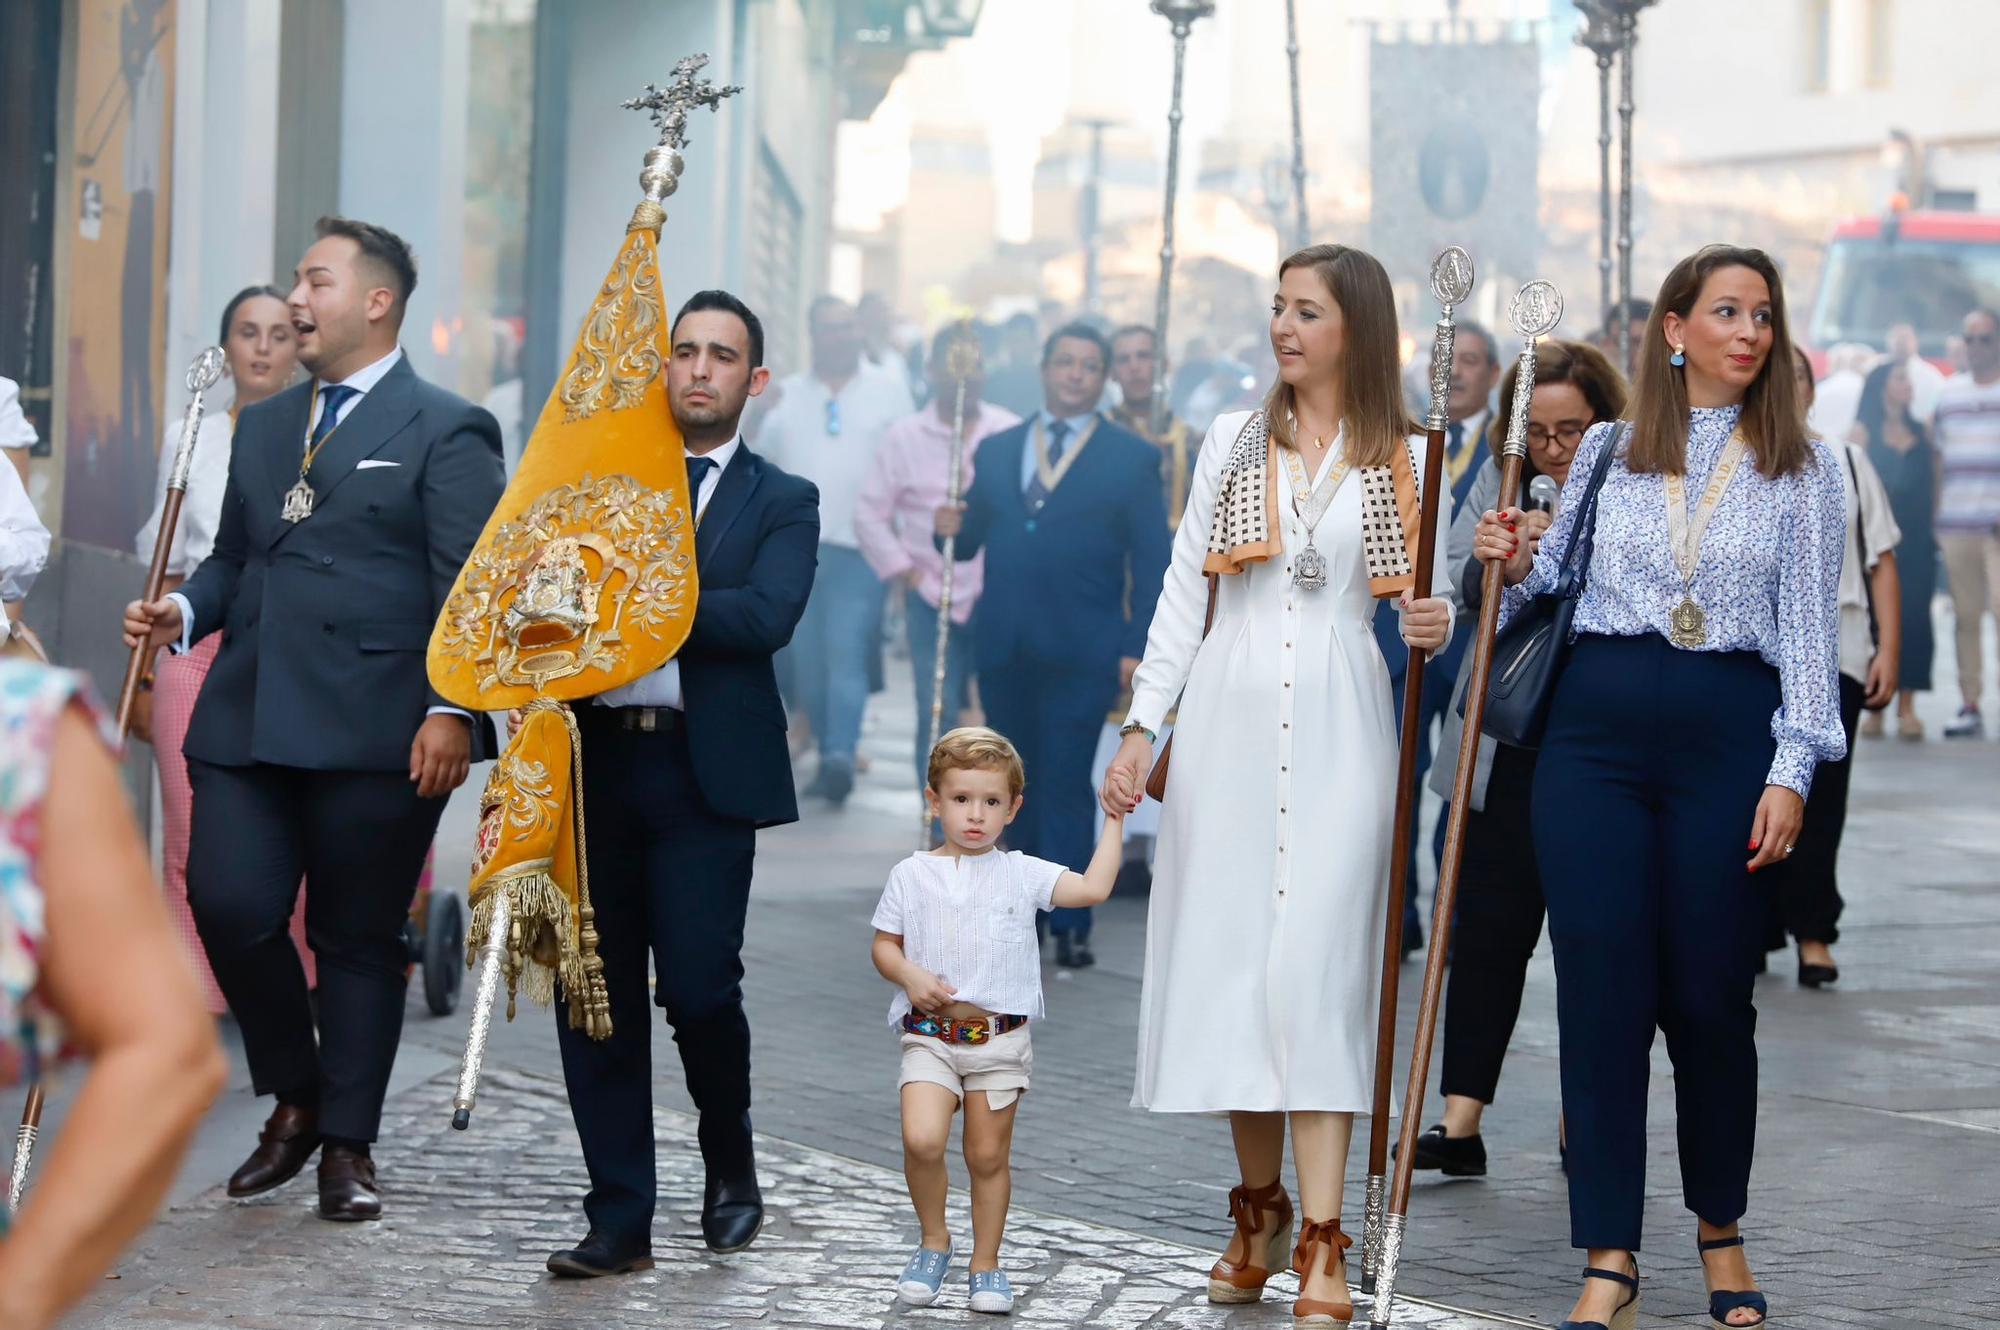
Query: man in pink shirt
point(895, 517)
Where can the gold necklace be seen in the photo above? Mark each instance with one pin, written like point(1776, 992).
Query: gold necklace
point(299, 499)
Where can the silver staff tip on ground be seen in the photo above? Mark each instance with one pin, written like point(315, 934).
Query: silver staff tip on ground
point(206, 370)
point(1451, 276)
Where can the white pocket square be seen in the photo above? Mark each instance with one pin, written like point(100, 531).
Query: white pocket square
point(370, 463)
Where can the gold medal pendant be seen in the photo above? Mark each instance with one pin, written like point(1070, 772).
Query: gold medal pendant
point(298, 502)
point(1690, 625)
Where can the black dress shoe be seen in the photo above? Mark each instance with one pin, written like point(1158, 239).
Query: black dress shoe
point(597, 1256)
point(732, 1212)
point(1817, 976)
point(1453, 1156)
point(347, 1189)
point(288, 1140)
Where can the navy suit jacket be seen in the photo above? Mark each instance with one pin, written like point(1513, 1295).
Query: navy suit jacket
point(1388, 627)
point(1074, 584)
point(325, 623)
point(755, 552)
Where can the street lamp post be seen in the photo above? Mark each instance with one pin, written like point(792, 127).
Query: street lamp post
point(1616, 23)
point(1182, 15)
point(1298, 125)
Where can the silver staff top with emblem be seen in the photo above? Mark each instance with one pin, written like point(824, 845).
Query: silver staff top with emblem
point(669, 107)
point(1536, 310)
point(1451, 283)
point(206, 370)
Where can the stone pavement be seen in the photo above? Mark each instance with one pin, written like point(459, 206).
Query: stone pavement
point(474, 1215)
point(1873, 1202)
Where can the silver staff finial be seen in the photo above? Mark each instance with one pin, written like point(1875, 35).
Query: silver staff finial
point(1451, 283)
point(669, 106)
point(206, 370)
point(1536, 310)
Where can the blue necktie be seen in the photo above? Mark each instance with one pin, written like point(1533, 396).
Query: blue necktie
point(1038, 493)
point(698, 469)
point(331, 399)
point(1456, 434)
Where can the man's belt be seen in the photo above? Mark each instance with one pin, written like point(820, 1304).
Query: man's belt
point(977, 1030)
point(646, 720)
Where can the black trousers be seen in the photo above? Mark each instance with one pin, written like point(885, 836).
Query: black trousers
point(1645, 793)
point(1053, 714)
point(1807, 886)
point(358, 838)
point(1499, 919)
point(669, 876)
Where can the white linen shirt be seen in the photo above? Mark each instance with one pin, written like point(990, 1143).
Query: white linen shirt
point(16, 431)
point(662, 688)
point(795, 436)
point(24, 541)
point(970, 920)
point(1879, 534)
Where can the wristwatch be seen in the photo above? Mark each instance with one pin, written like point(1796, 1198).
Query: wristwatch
point(1134, 727)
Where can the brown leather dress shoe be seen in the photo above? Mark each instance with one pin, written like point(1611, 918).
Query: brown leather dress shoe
point(347, 1191)
point(289, 1138)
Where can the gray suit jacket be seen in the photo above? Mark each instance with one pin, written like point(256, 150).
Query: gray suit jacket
point(325, 622)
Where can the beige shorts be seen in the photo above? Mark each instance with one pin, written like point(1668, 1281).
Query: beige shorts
point(1000, 1067)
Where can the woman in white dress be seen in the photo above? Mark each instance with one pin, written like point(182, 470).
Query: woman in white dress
point(1264, 944)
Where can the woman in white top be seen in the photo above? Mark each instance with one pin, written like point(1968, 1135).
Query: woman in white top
point(257, 339)
point(1265, 937)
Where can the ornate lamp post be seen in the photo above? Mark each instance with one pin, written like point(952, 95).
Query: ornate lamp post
point(1182, 15)
point(1613, 26)
point(1298, 127)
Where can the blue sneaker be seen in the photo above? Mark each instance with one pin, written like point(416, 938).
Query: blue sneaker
point(922, 1277)
point(991, 1292)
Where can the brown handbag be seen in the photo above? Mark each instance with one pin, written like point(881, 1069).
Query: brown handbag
point(1156, 783)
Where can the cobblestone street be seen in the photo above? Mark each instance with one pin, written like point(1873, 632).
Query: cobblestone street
point(1872, 1204)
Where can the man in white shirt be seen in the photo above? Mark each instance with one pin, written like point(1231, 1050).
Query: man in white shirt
point(1967, 435)
point(1926, 379)
point(825, 428)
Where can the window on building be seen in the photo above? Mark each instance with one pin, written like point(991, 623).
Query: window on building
point(1879, 57)
point(1818, 44)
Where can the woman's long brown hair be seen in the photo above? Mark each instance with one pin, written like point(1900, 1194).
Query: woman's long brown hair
point(1773, 421)
point(1371, 390)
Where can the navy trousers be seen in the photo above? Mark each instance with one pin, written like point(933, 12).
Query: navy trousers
point(670, 878)
point(1645, 793)
point(1053, 713)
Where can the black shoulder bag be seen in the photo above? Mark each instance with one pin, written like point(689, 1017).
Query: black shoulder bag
point(1530, 651)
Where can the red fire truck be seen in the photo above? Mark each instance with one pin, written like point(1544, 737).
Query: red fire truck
point(1926, 269)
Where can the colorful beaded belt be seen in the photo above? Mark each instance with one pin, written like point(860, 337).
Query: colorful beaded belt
point(977, 1030)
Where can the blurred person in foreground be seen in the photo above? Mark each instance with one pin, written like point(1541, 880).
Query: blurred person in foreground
point(351, 504)
point(1967, 433)
point(1723, 636)
point(1500, 904)
point(17, 432)
point(1807, 892)
point(263, 359)
point(1067, 508)
point(825, 428)
point(1899, 446)
point(77, 903)
point(896, 514)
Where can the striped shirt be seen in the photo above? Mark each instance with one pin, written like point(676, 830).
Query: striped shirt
point(1968, 444)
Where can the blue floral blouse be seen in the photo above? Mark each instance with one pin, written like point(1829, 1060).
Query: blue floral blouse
point(1768, 579)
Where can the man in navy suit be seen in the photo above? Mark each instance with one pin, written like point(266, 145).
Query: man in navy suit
point(318, 748)
point(680, 770)
point(1068, 508)
point(1475, 370)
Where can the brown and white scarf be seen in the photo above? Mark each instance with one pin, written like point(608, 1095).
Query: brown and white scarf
point(1246, 526)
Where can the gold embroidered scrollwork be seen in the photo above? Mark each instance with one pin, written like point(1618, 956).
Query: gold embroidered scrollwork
point(617, 353)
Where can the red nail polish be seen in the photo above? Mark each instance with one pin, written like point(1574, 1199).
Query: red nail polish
point(1753, 844)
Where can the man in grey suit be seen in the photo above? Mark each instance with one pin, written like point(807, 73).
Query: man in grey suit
point(318, 749)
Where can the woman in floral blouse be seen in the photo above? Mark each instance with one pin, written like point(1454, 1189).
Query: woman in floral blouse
point(84, 939)
point(1699, 695)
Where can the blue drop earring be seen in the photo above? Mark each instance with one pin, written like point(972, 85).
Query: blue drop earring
point(1677, 358)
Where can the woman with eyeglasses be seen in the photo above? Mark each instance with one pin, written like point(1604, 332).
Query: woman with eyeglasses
point(1500, 906)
